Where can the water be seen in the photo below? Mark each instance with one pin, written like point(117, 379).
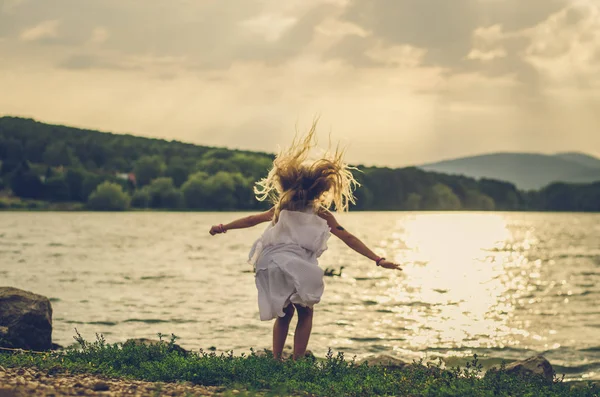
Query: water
point(503, 285)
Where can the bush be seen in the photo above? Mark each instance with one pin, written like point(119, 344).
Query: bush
point(109, 197)
point(195, 191)
point(57, 189)
point(140, 199)
point(147, 169)
point(75, 179)
point(332, 376)
point(164, 194)
point(26, 184)
point(4, 203)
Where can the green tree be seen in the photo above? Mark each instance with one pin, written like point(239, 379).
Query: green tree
point(164, 194)
point(221, 189)
point(74, 179)
point(178, 171)
point(441, 197)
point(148, 168)
point(364, 198)
point(57, 154)
point(57, 189)
point(254, 166)
point(26, 184)
point(475, 200)
point(413, 202)
point(141, 198)
point(11, 150)
point(90, 183)
point(505, 195)
point(212, 166)
point(109, 196)
point(195, 191)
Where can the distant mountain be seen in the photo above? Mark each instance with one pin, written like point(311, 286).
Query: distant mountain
point(526, 170)
point(580, 158)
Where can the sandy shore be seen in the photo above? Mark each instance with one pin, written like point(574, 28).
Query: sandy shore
point(17, 382)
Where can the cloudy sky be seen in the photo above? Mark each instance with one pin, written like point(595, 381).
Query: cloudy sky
point(400, 82)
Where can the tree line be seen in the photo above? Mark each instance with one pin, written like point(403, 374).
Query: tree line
point(115, 172)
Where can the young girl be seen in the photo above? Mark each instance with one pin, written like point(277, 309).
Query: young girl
point(285, 257)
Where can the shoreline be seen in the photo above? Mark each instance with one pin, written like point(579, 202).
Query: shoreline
point(20, 381)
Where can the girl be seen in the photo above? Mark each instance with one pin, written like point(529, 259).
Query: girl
point(285, 257)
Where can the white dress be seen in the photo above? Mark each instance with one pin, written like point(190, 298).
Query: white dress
point(285, 262)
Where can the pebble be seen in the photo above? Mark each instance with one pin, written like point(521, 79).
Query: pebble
point(33, 382)
point(100, 386)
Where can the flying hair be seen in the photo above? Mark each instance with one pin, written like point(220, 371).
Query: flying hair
point(296, 182)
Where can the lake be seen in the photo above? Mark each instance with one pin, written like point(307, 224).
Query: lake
point(502, 285)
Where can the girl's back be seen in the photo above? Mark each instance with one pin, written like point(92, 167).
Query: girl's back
point(293, 230)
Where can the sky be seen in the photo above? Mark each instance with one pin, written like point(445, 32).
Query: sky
point(397, 82)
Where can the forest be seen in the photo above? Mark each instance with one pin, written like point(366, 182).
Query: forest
point(47, 166)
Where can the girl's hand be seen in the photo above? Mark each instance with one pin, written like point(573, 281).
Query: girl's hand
point(389, 265)
point(217, 229)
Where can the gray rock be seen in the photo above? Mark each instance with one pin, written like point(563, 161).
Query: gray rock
point(25, 320)
point(537, 365)
point(385, 361)
point(100, 386)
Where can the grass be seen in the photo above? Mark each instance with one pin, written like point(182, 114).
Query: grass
point(332, 376)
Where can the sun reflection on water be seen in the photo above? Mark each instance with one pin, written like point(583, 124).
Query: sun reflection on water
point(456, 284)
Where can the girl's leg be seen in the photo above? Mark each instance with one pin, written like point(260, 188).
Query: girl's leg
point(305, 317)
point(280, 331)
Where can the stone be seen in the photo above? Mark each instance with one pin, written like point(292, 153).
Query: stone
point(33, 385)
point(25, 320)
point(386, 361)
point(100, 386)
point(149, 342)
point(7, 392)
point(537, 365)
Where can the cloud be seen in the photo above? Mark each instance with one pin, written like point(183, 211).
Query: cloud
point(269, 26)
point(44, 30)
point(487, 44)
point(99, 35)
point(403, 82)
point(87, 62)
point(10, 6)
point(443, 28)
point(399, 56)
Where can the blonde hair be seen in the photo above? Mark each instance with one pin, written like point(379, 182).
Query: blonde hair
point(295, 182)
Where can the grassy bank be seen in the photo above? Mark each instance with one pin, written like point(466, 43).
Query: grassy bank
point(332, 376)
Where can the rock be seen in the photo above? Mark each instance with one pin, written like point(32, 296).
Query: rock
point(100, 386)
point(386, 361)
point(7, 392)
point(150, 342)
point(25, 320)
point(32, 385)
point(537, 365)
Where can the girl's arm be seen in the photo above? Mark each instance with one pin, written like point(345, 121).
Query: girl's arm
point(243, 223)
point(354, 242)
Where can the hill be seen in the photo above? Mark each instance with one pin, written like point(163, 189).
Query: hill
point(528, 171)
point(581, 158)
point(52, 166)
